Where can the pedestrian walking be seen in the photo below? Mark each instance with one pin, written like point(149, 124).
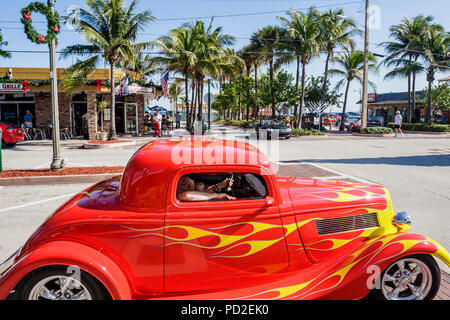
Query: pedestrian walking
point(157, 119)
point(398, 123)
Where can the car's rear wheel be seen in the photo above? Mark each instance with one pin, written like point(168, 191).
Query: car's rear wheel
point(56, 283)
point(4, 145)
point(415, 277)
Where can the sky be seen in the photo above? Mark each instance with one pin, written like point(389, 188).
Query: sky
point(239, 18)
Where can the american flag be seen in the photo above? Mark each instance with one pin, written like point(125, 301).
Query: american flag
point(165, 84)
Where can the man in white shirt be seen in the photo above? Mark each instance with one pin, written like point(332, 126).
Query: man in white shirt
point(398, 123)
point(157, 123)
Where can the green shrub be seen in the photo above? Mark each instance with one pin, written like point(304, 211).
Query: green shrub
point(423, 127)
point(377, 130)
point(306, 132)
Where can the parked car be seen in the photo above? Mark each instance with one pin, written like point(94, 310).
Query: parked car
point(11, 134)
point(350, 120)
point(131, 237)
point(270, 126)
point(375, 122)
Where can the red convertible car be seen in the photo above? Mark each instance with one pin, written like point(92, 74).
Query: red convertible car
point(210, 219)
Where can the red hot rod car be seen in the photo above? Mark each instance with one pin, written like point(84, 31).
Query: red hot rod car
point(213, 221)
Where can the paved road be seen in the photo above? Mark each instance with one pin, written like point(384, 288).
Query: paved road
point(416, 170)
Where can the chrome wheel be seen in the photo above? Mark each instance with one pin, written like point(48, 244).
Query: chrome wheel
point(407, 279)
point(59, 288)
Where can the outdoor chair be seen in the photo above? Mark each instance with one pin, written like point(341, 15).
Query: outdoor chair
point(26, 132)
point(38, 132)
point(65, 133)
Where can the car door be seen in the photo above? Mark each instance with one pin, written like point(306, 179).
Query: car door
point(220, 245)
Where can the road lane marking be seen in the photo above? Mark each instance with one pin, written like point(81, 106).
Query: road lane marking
point(36, 202)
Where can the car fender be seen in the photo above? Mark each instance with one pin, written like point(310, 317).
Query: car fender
point(69, 253)
point(356, 273)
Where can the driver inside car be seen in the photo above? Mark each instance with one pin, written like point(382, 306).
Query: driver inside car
point(188, 190)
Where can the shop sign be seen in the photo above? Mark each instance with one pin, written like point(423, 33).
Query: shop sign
point(371, 97)
point(11, 87)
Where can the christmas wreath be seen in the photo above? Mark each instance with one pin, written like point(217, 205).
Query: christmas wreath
point(52, 22)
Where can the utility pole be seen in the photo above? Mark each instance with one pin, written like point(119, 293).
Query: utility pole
point(366, 71)
point(57, 161)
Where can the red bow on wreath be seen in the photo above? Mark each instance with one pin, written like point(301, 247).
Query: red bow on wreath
point(27, 16)
point(25, 85)
point(99, 83)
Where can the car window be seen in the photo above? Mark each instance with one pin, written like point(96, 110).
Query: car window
point(199, 187)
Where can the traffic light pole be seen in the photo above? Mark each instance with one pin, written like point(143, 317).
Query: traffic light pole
point(57, 161)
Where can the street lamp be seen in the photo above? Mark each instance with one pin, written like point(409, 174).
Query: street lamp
point(57, 162)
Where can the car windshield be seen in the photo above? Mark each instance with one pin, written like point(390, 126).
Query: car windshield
point(376, 119)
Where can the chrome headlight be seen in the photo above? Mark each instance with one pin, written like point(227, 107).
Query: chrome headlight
point(402, 221)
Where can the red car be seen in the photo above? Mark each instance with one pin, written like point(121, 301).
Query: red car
point(210, 219)
point(11, 134)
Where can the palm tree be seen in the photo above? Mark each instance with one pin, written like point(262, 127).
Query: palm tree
point(179, 54)
point(251, 54)
point(175, 91)
point(269, 40)
point(142, 66)
point(336, 31)
point(303, 44)
point(111, 29)
point(352, 65)
point(436, 53)
point(3, 53)
point(213, 55)
point(404, 52)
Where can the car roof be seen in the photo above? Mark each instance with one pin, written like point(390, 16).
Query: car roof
point(146, 176)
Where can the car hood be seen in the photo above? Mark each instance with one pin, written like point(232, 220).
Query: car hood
point(313, 195)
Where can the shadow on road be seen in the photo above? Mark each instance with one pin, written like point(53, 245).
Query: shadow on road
point(441, 160)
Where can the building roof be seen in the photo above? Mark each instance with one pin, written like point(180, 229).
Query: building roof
point(394, 97)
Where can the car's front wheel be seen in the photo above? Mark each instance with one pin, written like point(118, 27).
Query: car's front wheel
point(415, 277)
point(57, 283)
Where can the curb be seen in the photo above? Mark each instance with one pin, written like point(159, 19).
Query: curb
point(372, 135)
point(109, 145)
point(43, 180)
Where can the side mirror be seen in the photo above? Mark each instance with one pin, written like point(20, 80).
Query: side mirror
point(269, 201)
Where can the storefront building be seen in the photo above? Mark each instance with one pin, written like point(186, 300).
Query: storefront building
point(386, 104)
point(25, 89)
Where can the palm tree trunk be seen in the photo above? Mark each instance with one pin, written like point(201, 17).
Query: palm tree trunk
point(413, 107)
point(325, 75)
point(344, 107)
point(256, 92)
point(112, 128)
point(186, 90)
point(302, 100)
point(430, 79)
point(272, 93)
point(409, 98)
point(194, 105)
point(297, 80)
